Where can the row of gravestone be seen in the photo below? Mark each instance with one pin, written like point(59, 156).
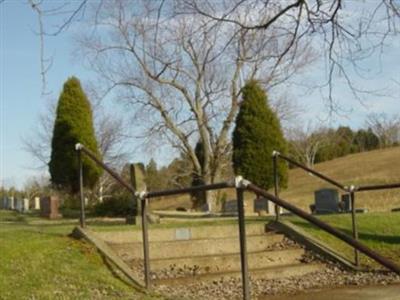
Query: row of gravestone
point(19, 204)
point(48, 206)
point(325, 201)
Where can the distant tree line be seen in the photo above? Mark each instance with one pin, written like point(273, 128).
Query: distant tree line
point(314, 145)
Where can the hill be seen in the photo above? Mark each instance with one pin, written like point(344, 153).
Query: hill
point(373, 167)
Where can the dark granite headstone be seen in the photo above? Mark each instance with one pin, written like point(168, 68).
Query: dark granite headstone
point(326, 201)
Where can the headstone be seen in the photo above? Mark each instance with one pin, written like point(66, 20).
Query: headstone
point(3, 203)
point(25, 205)
point(49, 207)
point(264, 206)
point(18, 205)
point(36, 203)
point(11, 203)
point(326, 201)
point(230, 206)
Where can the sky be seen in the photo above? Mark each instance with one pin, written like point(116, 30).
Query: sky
point(21, 99)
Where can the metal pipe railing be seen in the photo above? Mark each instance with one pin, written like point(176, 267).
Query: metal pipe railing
point(144, 196)
point(240, 184)
point(324, 226)
point(322, 176)
point(377, 187)
point(276, 155)
point(207, 187)
point(80, 148)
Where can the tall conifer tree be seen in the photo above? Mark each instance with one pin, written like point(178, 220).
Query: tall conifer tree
point(73, 124)
point(256, 135)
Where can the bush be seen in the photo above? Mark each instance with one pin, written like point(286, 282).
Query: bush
point(120, 206)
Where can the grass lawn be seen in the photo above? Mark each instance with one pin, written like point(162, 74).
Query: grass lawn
point(379, 231)
point(39, 261)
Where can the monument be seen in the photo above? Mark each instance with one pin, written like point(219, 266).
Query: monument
point(326, 201)
point(49, 207)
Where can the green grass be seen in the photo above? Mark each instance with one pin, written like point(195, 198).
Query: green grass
point(379, 231)
point(39, 261)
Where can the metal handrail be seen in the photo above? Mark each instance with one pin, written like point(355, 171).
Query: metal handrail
point(241, 185)
point(143, 196)
point(377, 187)
point(309, 170)
point(324, 226)
point(351, 190)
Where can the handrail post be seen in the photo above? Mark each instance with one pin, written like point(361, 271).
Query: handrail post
point(80, 164)
point(354, 224)
point(145, 238)
point(276, 183)
point(242, 238)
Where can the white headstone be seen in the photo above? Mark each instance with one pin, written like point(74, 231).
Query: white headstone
point(25, 205)
point(37, 203)
point(11, 203)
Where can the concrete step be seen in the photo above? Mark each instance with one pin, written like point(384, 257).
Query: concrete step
point(273, 272)
point(227, 262)
point(181, 233)
point(197, 247)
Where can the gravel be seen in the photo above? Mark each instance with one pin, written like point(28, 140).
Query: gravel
point(332, 276)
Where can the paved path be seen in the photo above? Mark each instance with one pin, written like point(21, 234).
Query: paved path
point(391, 292)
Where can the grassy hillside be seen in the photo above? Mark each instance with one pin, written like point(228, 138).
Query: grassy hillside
point(374, 167)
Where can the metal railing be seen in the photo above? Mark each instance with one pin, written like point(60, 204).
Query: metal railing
point(143, 196)
point(351, 190)
point(240, 185)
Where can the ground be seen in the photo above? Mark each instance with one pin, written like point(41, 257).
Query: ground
point(39, 261)
point(379, 231)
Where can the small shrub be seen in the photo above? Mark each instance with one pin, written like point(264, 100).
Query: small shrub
point(120, 206)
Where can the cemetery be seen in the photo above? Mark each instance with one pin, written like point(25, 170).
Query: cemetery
point(200, 150)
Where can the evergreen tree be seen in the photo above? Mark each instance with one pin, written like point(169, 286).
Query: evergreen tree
point(257, 133)
point(73, 124)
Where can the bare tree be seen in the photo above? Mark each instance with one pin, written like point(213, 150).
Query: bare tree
point(180, 65)
point(182, 74)
point(346, 31)
point(305, 142)
point(385, 127)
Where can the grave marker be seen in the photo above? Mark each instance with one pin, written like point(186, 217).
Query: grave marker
point(326, 201)
point(36, 203)
point(25, 205)
point(49, 207)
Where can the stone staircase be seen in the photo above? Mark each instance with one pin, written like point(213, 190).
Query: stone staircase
point(208, 253)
